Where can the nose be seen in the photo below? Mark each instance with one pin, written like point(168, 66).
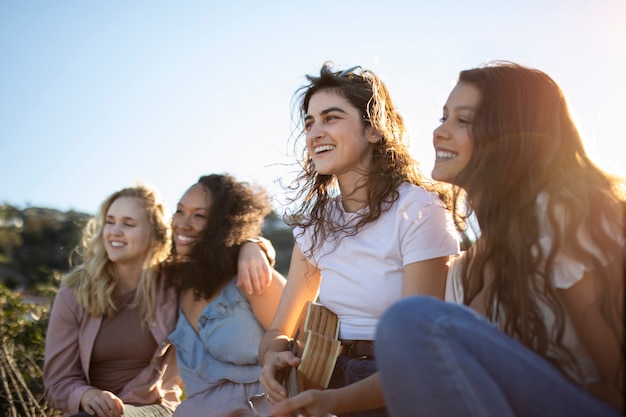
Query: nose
point(314, 132)
point(440, 132)
point(181, 222)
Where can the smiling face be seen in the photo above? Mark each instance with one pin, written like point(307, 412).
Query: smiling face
point(336, 137)
point(126, 232)
point(190, 219)
point(453, 138)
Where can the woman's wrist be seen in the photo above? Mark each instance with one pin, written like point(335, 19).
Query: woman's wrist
point(273, 341)
point(267, 248)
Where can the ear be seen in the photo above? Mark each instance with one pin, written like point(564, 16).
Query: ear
point(373, 136)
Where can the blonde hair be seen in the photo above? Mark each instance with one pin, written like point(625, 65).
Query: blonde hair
point(95, 283)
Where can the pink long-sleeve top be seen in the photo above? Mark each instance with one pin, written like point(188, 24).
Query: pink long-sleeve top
point(69, 345)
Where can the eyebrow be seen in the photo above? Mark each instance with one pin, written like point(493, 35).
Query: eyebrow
point(179, 205)
point(123, 218)
point(457, 108)
point(326, 111)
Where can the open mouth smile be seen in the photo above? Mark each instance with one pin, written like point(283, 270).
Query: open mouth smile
point(323, 148)
point(443, 156)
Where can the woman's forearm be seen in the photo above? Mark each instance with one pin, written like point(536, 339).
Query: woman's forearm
point(366, 394)
point(273, 341)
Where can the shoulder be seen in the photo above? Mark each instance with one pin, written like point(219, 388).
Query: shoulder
point(66, 295)
point(65, 303)
point(166, 296)
point(231, 293)
point(423, 218)
point(416, 195)
point(417, 203)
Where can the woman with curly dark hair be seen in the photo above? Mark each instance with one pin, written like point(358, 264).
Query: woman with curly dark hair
point(219, 325)
point(370, 229)
point(107, 347)
point(544, 331)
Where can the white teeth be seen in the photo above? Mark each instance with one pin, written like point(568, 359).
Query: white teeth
point(323, 148)
point(185, 239)
point(117, 244)
point(445, 155)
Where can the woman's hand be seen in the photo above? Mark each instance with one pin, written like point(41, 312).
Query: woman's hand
point(308, 403)
point(253, 268)
point(274, 363)
point(365, 394)
point(102, 403)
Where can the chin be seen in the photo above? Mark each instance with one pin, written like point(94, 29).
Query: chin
point(182, 251)
point(438, 176)
point(323, 171)
point(442, 174)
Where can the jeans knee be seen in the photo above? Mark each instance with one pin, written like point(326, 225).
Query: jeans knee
point(410, 314)
point(410, 310)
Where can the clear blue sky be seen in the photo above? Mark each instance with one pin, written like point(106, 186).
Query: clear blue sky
point(96, 95)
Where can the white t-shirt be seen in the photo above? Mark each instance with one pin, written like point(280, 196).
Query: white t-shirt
point(567, 272)
point(362, 274)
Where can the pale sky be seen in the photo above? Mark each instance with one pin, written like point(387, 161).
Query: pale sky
point(95, 96)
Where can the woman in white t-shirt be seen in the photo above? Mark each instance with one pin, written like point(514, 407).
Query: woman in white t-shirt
point(370, 229)
point(546, 269)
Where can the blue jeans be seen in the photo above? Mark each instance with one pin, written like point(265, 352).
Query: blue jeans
point(348, 371)
point(440, 359)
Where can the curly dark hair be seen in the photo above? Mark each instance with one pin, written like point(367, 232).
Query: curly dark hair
point(235, 215)
point(392, 163)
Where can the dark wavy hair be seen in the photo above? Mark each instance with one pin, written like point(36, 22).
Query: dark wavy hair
point(525, 143)
point(391, 163)
point(236, 213)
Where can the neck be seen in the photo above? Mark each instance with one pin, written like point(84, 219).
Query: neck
point(128, 277)
point(353, 193)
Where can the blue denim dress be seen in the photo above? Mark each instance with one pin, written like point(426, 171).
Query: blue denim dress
point(219, 365)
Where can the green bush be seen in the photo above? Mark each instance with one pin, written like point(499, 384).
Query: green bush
point(22, 340)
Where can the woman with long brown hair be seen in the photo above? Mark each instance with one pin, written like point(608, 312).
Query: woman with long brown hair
point(546, 271)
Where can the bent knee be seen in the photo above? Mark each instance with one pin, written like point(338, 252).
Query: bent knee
point(414, 309)
point(410, 314)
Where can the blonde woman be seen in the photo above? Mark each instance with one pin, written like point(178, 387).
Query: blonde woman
point(107, 351)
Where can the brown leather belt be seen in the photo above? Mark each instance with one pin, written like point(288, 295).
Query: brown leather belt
point(358, 349)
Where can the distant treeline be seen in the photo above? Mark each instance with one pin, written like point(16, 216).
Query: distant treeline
point(36, 243)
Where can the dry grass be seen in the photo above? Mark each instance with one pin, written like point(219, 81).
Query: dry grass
point(21, 388)
point(22, 333)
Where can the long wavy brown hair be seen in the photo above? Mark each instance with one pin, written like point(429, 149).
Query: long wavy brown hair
point(525, 143)
point(391, 163)
point(236, 213)
point(94, 280)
